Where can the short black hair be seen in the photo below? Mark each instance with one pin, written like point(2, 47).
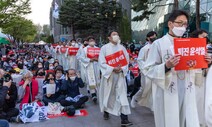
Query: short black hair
point(177, 13)
point(196, 33)
point(73, 40)
point(151, 33)
point(110, 32)
point(91, 37)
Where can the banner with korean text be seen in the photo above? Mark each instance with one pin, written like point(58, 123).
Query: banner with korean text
point(116, 59)
point(63, 49)
point(93, 52)
point(192, 51)
point(72, 51)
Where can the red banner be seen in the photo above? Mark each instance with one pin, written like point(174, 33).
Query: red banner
point(72, 51)
point(192, 51)
point(54, 45)
point(93, 52)
point(116, 59)
point(63, 49)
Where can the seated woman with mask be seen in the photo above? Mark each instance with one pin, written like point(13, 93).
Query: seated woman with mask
point(51, 89)
point(28, 91)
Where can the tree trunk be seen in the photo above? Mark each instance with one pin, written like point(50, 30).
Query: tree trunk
point(198, 14)
point(176, 4)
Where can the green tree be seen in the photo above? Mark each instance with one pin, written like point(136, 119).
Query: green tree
point(125, 28)
point(46, 30)
point(89, 16)
point(13, 8)
point(21, 29)
point(141, 6)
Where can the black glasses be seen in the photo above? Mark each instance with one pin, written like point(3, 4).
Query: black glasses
point(180, 23)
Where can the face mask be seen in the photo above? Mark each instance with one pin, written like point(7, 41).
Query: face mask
point(92, 43)
point(51, 68)
point(116, 38)
point(179, 31)
point(41, 74)
point(40, 66)
point(152, 39)
point(72, 78)
point(73, 44)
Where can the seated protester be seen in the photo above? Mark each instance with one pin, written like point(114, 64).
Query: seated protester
point(39, 65)
point(40, 76)
point(28, 91)
point(56, 64)
point(51, 66)
point(71, 85)
point(7, 105)
point(56, 96)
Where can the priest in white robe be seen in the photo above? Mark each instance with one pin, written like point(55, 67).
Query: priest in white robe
point(72, 59)
point(81, 67)
point(144, 96)
point(62, 51)
point(57, 52)
point(175, 102)
point(113, 89)
point(91, 65)
point(208, 99)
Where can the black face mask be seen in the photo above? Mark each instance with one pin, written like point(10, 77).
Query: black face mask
point(152, 39)
point(85, 45)
point(41, 73)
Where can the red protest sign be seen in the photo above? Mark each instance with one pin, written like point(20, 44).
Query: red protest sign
point(192, 51)
point(93, 52)
point(63, 49)
point(116, 59)
point(54, 45)
point(72, 51)
point(135, 71)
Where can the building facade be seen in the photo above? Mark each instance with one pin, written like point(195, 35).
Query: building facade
point(162, 9)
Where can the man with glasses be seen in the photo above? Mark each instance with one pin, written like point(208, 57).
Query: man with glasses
point(174, 100)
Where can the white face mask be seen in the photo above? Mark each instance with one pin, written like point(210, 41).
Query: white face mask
point(92, 43)
point(72, 78)
point(179, 31)
point(51, 68)
point(73, 44)
point(116, 38)
point(40, 66)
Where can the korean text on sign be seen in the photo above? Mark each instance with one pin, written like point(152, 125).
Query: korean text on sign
point(93, 52)
point(192, 51)
point(116, 59)
point(73, 51)
point(63, 49)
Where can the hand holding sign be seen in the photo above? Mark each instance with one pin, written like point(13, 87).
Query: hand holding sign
point(208, 58)
point(193, 53)
point(173, 61)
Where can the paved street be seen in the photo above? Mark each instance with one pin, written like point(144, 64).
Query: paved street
point(141, 117)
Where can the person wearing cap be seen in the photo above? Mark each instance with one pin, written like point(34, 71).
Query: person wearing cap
point(144, 96)
point(113, 87)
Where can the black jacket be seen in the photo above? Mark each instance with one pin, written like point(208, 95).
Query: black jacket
point(3, 94)
point(12, 92)
point(72, 87)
